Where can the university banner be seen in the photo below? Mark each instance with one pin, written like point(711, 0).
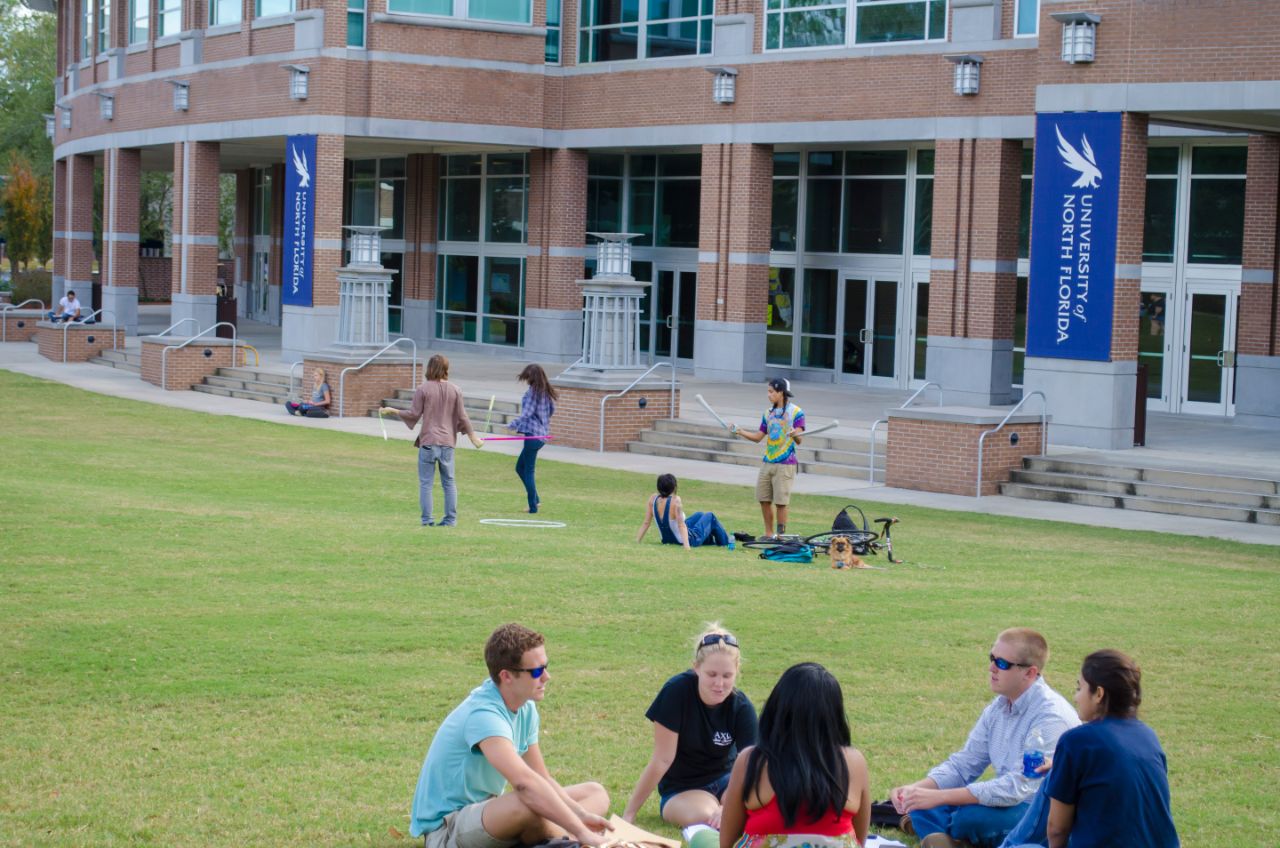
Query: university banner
point(299, 219)
point(1074, 216)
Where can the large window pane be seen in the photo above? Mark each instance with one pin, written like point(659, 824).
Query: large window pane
point(1151, 341)
point(421, 7)
point(1028, 17)
point(267, 8)
point(875, 163)
point(364, 203)
point(223, 12)
point(1160, 212)
point(506, 209)
point(460, 277)
point(511, 11)
point(780, 314)
point(783, 224)
point(873, 216)
point(922, 238)
point(786, 164)
point(920, 361)
point(502, 287)
point(462, 210)
point(882, 21)
point(819, 301)
point(679, 202)
point(1218, 160)
point(822, 216)
point(674, 38)
point(640, 217)
point(1216, 221)
point(604, 205)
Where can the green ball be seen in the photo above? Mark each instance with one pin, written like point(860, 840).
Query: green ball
point(705, 839)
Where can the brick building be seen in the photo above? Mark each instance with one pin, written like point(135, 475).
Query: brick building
point(838, 191)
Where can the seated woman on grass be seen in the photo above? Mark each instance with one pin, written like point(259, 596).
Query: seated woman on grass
point(700, 721)
point(321, 398)
point(803, 784)
point(701, 528)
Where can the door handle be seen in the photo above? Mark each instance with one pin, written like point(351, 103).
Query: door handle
point(864, 335)
point(669, 322)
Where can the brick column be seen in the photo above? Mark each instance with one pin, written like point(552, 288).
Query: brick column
point(77, 235)
point(733, 271)
point(60, 207)
point(418, 276)
point(557, 228)
point(120, 219)
point(973, 279)
point(195, 233)
point(306, 329)
point(1092, 403)
point(1258, 336)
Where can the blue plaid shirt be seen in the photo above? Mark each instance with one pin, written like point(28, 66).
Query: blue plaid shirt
point(997, 740)
point(535, 414)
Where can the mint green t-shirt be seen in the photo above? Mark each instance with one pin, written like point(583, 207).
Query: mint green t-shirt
point(455, 772)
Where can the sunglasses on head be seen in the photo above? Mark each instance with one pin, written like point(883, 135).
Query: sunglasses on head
point(535, 673)
point(1004, 664)
point(715, 638)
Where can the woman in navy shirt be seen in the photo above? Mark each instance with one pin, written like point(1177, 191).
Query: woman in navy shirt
point(1109, 785)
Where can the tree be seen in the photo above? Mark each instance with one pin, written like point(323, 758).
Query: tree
point(26, 215)
point(28, 65)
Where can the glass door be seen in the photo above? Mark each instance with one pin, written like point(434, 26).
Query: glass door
point(868, 331)
point(1208, 351)
point(674, 295)
point(259, 308)
point(919, 348)
point(1155, 343)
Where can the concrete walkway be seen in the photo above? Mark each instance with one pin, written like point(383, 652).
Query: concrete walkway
point(1174, 441)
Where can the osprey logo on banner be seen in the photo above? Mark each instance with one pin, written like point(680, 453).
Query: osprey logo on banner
point(299, 219)
point(1074, 217)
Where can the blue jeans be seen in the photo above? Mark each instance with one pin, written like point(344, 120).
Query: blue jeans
point(705, 529)
point(524, 469)
point(430, 456)
point(1033, 830)
point(982, 826)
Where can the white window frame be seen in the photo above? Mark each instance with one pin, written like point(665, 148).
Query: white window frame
point(641, 25)
point(137, 17)
point(461, 9)
point(215, 20)
point(104, 26)
point(1017, 16)
point(86, 28)
point(165, 9)
point(851, 8)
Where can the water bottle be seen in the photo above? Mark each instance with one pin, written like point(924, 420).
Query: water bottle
point(730, 544)
point(1032, 759)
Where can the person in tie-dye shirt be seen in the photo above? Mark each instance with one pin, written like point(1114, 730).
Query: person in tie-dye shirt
point(781, 428)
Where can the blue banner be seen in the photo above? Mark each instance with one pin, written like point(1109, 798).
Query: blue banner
point(299, 219)
point(1074, 217)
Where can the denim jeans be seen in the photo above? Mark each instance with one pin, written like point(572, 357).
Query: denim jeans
point(1033, 830)
point(430, 456)
point(524, 469)
point(982, 826)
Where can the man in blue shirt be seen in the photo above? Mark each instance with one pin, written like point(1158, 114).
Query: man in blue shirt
point(950, 803)
point(490, 740)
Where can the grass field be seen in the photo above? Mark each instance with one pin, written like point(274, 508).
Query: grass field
point(222, 632)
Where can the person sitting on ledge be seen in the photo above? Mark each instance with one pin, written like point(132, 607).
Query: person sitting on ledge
point(68, 309)
point(320, 399)
point(701, 528)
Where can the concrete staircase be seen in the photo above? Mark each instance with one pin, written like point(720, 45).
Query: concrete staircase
point(835, 456)
point(249, 384)
point(477, 410)
point(120, 360)
point(1194, 494)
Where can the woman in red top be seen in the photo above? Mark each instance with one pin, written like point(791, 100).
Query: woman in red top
point(803, 783)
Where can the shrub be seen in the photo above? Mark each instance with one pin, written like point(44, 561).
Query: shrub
point(29, 284)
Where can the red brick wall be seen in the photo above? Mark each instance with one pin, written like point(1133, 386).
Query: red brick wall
point(418, 276)
point(363, 391)
point(120, 215)
point(577, 420)
point(20, 324)
point(1259, 305)
point(328, 224)
point(198, 219)
point(79, 220)
point(1129, 230)
point(557, 218)
point(942, 456)
point(155, 277)
point(735, 216)
point(83, 342)
point(185, 367)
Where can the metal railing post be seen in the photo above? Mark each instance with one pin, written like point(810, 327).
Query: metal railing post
point(342, 378)
point(871, 471)
point(7, 308)
point(1044, 430)
point(164, 354)
point(634, 383)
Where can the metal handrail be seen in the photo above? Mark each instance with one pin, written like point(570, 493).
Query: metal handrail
point(179, 323)
point(871, 466)
point(634, 383)
point(66, 325)
point(342, 378)
point(257, 358)
point(164, 354)
point(1044, 430)
point(292, 368)
point(6, 308)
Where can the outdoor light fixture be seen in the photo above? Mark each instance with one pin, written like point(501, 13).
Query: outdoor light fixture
point(49, 125)
point(106, 105)
point(722, 90)
point(1079, 35)
point(181, 95)
point(968, 72)
point(297, 81)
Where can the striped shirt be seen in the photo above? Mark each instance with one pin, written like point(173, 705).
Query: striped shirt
point(536, 410)
point(997, 741)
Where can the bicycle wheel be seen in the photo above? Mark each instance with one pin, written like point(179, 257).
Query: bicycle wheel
point(857, 538)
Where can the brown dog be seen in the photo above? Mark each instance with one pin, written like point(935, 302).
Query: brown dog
point(842, 555)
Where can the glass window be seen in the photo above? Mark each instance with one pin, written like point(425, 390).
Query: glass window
point(267, 8)
point(506, 197)
point(104, 25)
point(922, 226)
point(920, 362)
point(665, 199)
point(786, 193)
point(86, 29)
point(139, 21)
point(1161, 217)
point(822, 216)
point(780, 316)
point(1027, 18)
point(793, 24)
point(873, 212)
point(355, 23)
point(1024, 205)
point(818, 324)
point(604, 192)
point(168, 17)
point(421, 7)
point(509, 11)
point(678, 213)
point(262, 202)
point(1019, 331)
point(614, 30)
point(457, 297)
point(1215, 219)
point(551, 52)
point(224, 12)
point(901, 20)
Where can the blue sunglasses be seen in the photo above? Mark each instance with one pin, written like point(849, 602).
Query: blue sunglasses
point(1004, 664)
point(535, 673)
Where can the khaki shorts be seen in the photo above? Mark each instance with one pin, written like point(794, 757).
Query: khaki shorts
point(773, 485)
point(465, 829)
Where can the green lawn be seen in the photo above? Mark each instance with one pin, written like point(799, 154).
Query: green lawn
point(216, 631)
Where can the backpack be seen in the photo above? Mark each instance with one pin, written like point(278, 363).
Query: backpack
point(788, 552)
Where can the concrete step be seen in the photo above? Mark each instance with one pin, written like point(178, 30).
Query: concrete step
point(1193, 509)
point(823, 442)
point(704, 454)
point(243, 394)
point(726, 444)
point(503, 412)
point(275, 391)
point(119, 364)
point(1164, 476)
point(1137, 488)
point(255, 375)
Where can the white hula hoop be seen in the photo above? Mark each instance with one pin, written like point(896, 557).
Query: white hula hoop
point(521, 522)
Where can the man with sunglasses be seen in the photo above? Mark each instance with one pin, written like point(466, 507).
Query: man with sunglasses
point(490, 740)
point(951, 807)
